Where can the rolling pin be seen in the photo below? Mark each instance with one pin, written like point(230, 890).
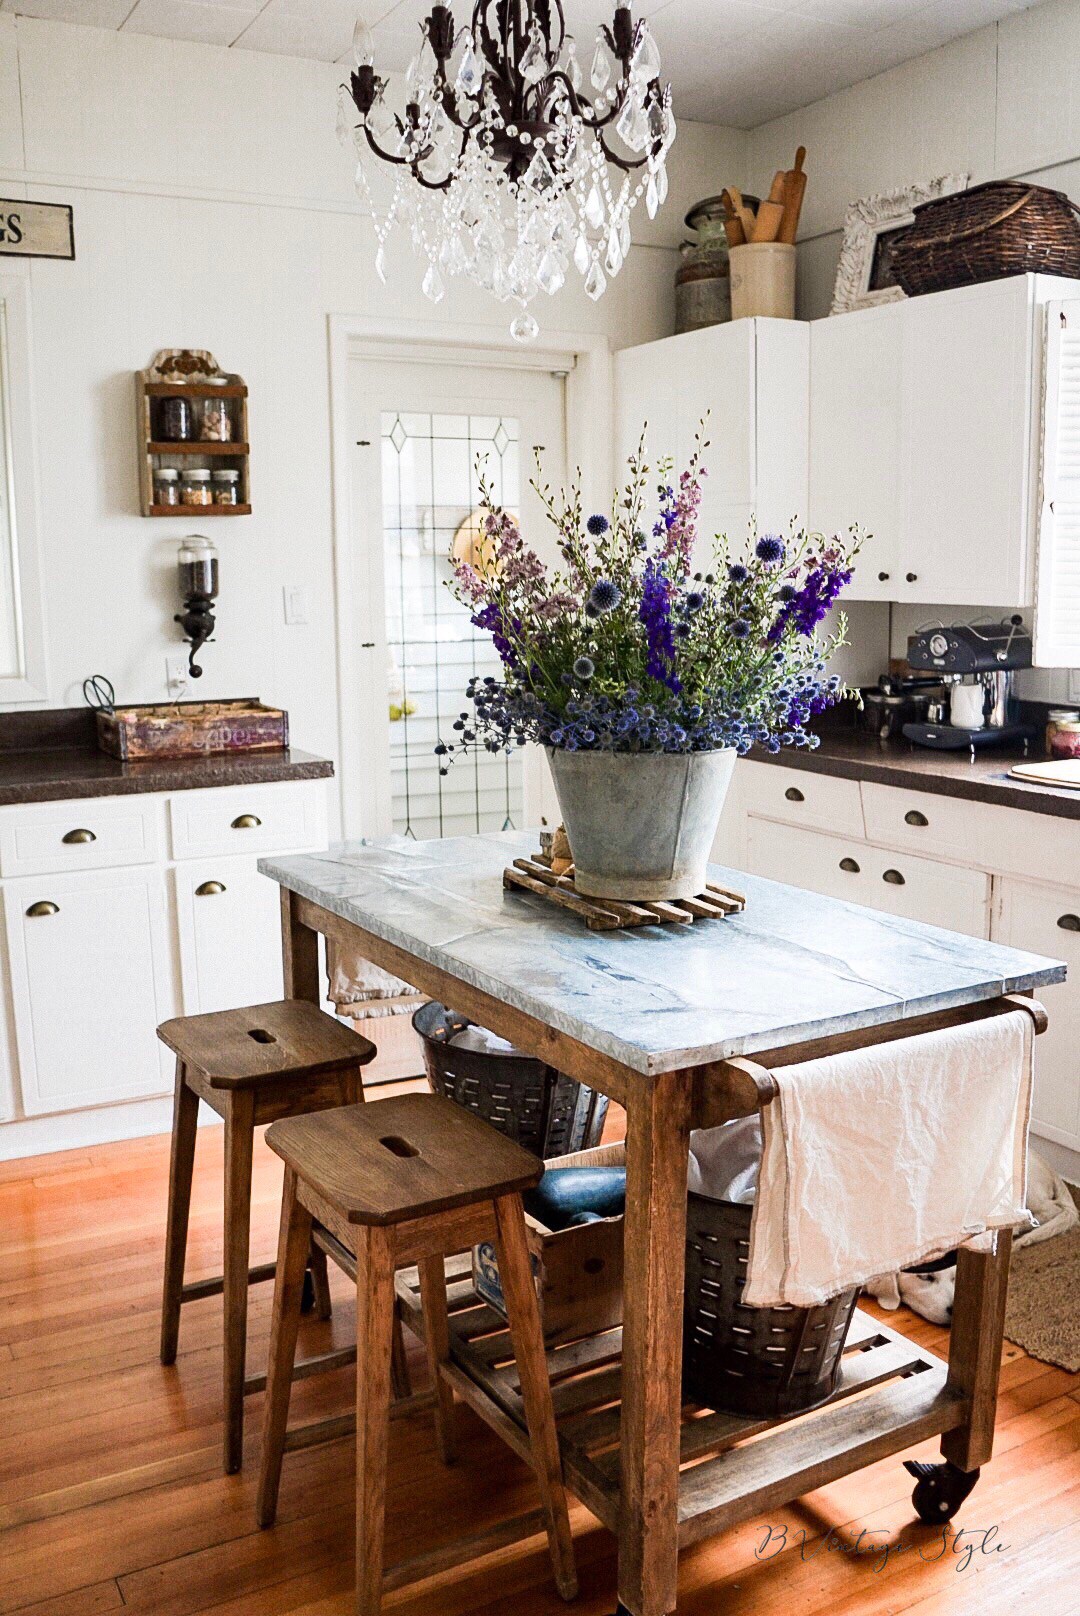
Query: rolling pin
point(736, 235)
point(771, 211)
point(794, 191)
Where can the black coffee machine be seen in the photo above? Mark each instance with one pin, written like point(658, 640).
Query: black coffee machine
point(977, 661)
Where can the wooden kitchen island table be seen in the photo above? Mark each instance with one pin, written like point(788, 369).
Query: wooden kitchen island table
point(679, 1024)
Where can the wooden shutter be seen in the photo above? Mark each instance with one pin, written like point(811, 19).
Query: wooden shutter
point(1057, 573)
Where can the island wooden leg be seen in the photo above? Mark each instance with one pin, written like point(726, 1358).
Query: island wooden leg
point(299, 953)
point(654, 1262)
point(978, 1323)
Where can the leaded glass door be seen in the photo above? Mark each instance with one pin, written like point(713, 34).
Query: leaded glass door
point(430, 428)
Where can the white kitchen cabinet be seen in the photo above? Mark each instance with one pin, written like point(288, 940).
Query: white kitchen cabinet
point(91, 977)
point(230, 935)
point(1046, 920)
point(854, 469)
point(750, 377)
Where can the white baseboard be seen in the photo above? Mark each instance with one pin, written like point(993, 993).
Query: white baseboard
point(1061, 1158)
point(75, 1130)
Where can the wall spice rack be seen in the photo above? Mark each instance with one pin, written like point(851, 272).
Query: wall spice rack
point(193, 375)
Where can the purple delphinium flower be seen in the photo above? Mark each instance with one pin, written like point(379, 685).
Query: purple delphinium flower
point(605, 595)
point(809, 605)
point(597, 525)
point(770, 549)
point(655, 613)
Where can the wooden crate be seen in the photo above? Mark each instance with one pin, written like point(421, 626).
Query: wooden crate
point(578, 1271)
point(192, 729)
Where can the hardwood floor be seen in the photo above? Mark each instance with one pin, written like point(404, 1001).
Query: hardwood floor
point(112, 1496)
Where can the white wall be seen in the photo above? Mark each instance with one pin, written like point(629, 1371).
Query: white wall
point(997, 104)
point(214, 209)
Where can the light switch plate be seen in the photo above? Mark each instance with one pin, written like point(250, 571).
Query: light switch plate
point(296, 604)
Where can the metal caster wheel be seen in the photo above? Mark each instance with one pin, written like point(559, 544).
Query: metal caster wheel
point(940, 1489)
point(307, 1296)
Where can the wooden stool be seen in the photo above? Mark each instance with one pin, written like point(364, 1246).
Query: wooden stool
point(250, 1066)
point(390, 1183)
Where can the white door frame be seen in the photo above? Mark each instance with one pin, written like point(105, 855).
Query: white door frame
point(589, 447)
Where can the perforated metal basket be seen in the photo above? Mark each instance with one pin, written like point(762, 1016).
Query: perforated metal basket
point(768, 1361)
point(530, 1102)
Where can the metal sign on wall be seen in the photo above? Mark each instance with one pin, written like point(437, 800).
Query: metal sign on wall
point(36, 229)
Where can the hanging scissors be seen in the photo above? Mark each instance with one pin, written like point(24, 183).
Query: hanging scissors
point(99, 694)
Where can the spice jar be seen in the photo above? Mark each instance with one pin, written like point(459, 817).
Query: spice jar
point(166, 486)
point(195, 488)
point(1055, 717)
point(1066, 741)
point(226, 487)
point(176, 419)
point(215, 425)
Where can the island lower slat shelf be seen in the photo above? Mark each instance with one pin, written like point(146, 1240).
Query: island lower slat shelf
point(892, 1394)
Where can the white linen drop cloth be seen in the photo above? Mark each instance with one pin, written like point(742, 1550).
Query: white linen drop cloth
point(882, 1157)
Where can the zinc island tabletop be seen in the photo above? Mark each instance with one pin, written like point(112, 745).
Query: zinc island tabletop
point(792, 967)
point(679, 1023)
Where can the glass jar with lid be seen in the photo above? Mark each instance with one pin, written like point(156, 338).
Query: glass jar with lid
point(166, 485)
point(226, 487)
point(215, 423)
point(195, 487)
point(176, 418)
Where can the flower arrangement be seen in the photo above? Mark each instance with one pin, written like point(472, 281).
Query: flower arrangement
point(627, 649)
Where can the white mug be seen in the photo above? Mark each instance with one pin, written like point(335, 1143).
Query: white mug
point(966, 707)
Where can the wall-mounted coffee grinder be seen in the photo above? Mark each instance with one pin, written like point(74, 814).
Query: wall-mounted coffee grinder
point(977, 661)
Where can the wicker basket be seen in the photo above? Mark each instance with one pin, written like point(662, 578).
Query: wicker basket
point(1001, 228)
point(531, 1103)
point(767, 1361)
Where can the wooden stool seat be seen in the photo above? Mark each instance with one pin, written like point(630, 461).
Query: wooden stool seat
point(394, 1160)
point(251, 1066)
point(408, 1180)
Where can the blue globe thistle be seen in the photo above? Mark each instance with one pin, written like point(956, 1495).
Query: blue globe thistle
point(605, 595)
point(694, 601)
point(682, 631)
point(740, 628)
point(591, 610)
point(584, 668)
point(597, 525)
point(769, 549)
point(786, 592)
point(737, 573)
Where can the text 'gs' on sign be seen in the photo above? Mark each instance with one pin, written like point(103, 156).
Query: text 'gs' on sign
point(36, 229)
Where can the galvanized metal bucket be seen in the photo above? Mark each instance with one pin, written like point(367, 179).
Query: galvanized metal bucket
point(641, 824)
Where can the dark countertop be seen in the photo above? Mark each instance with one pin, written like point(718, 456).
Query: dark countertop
point(853, 756)
point(47, 756)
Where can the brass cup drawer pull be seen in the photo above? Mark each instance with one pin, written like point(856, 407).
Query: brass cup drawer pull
point(246, 822)
point(850, 866)
point(894, 878)
point(914, 817)
point(37, 911)
point(210, 889)
point(793, 794)
point(1069, 922)
point(78, 836)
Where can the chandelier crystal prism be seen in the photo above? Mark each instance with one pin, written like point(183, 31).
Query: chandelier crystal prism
point(511, 167)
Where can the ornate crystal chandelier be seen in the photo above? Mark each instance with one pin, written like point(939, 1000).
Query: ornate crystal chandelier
point(508, 170)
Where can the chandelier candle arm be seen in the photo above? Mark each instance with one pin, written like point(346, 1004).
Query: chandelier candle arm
point(510, 160)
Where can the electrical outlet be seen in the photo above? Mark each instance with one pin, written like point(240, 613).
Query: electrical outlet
point(176, 673)
point(296, 604)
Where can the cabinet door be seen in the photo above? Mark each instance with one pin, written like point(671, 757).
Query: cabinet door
point(1046, 920)
point(230, 934)
point(91, 977)
point(965, 452)
point(855, 394)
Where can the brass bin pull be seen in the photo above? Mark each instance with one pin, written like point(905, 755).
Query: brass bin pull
point(37, 910)
point(914, 817)
point(793, 794)
point(894, 878)
point(1069, 922)
point(209, 889)
point(246, 822)
point(79, 836)
point(850, 866)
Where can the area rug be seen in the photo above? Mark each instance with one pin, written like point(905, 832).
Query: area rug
point(1043, 1310)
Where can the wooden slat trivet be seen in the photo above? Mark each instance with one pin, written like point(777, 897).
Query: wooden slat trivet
point(612, 914)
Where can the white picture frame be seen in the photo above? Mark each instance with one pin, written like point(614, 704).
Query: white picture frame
point(866, 221)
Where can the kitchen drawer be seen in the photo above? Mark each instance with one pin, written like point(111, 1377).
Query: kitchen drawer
point(242, 819)
point(88, 833)
point(1046, 920)
point(984, 833)
point(799, 797)
point(945, 895)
